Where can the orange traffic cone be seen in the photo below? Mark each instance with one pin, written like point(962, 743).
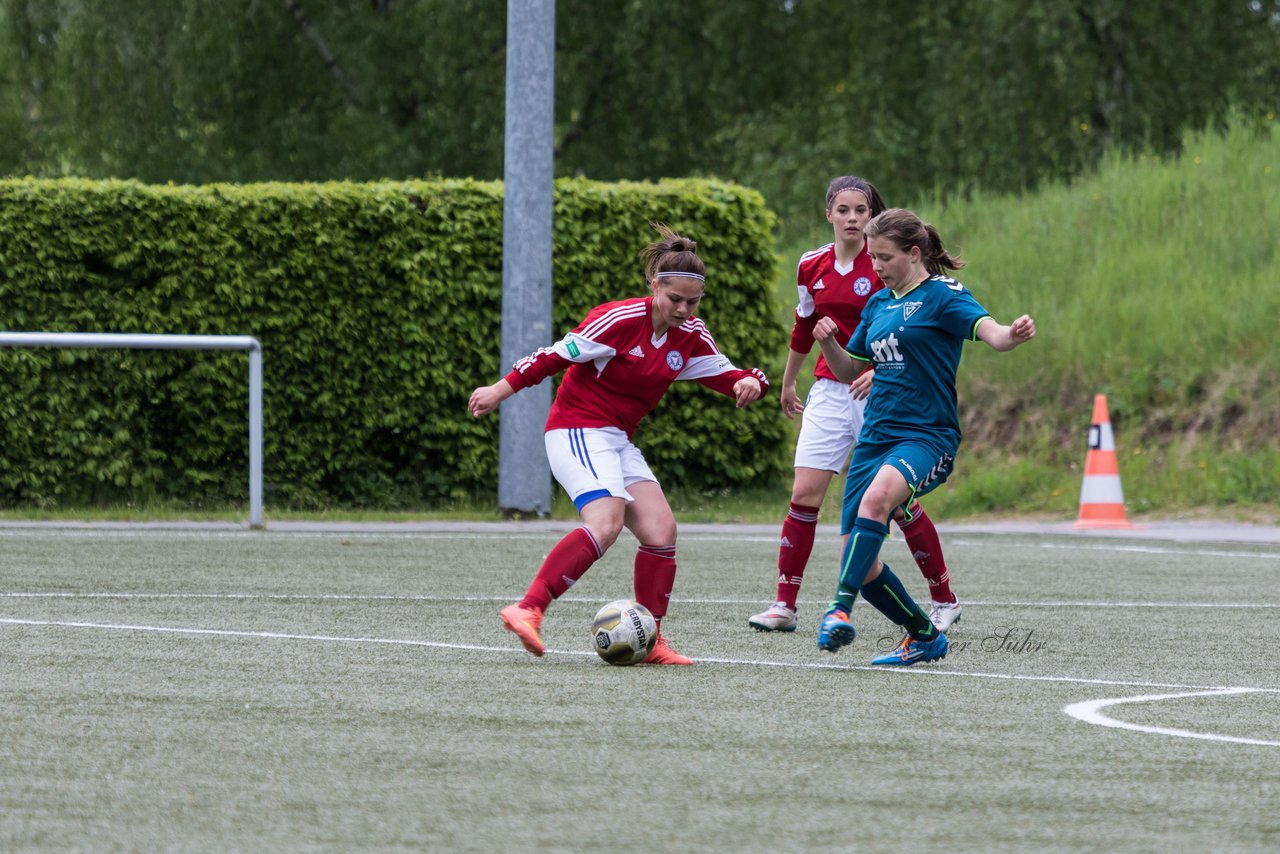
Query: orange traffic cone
point(1101, 500)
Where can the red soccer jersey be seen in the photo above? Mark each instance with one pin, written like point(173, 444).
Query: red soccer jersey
point(828, 291)
point(618, 371)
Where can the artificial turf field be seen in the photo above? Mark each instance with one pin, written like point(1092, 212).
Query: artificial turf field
point(234, 690)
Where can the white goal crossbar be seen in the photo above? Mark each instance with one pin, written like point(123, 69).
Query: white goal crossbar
point(120, 341)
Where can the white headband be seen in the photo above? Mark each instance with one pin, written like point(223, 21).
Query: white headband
point(668, 274)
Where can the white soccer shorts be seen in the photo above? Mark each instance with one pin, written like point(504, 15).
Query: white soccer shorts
point(595, 462)
point(829, 426)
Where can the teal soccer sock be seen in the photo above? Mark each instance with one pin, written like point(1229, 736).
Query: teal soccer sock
point(860, 554)
point(890, 598)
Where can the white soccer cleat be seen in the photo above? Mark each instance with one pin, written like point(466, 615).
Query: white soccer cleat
point(943, 614)
point(775, 618)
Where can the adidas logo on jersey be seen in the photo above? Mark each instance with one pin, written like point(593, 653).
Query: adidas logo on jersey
point(637, 352)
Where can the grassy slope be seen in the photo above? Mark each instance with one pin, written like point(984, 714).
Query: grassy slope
point(1154, 282)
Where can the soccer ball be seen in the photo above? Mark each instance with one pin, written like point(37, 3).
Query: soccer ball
point(624, 632)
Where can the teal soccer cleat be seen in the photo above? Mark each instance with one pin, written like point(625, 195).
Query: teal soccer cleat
point(835, 630)
point(912, 651)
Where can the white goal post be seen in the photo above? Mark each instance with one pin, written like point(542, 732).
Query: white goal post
point(144, 341)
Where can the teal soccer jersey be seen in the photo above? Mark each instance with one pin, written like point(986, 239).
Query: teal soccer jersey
point(914, 392)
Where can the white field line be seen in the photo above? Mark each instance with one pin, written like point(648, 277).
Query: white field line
point(355, 597)
point(1190, 549)
point(1087, 711)
point(1150, 550)
point(515, 650)
point(1090, 711)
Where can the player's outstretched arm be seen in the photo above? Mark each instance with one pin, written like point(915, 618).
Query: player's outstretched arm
point(844, 366)
point(1005, 338)
point(486, 398)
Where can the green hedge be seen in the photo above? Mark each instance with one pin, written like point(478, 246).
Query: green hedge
point(378, 307)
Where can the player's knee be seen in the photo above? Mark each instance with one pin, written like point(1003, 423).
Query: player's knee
point(604, 526)
point(661, 532)
point(807, 497)
point(810, 487)
point(606, 531)
point(875, 504)
point(605, 537)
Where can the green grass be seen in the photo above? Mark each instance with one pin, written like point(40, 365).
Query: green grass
point(1152, 281)
point(269, 691)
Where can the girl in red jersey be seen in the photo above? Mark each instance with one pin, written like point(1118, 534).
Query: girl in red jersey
point(620, 361)
point(836, 281)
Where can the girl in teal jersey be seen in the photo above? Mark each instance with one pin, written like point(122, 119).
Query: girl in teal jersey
point(835, 281)
point(911, 333)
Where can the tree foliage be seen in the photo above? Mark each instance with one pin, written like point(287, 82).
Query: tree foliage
point(776, 94)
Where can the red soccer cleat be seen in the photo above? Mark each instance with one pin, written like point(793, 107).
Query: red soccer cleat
point(662, 653)
point(527, 624)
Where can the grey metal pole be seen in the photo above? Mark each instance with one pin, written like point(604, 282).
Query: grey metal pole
point(127, 340)
point(255, 436)
point(153, 341)
point(524, 477)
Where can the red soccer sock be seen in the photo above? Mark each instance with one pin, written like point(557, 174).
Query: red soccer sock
point(922, 539)
point(567, 562)
point(798, 532)
point(655, 576)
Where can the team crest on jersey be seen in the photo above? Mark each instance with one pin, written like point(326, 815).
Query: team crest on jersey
point(909, 308)
point(862, 286)
point(675, 361)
